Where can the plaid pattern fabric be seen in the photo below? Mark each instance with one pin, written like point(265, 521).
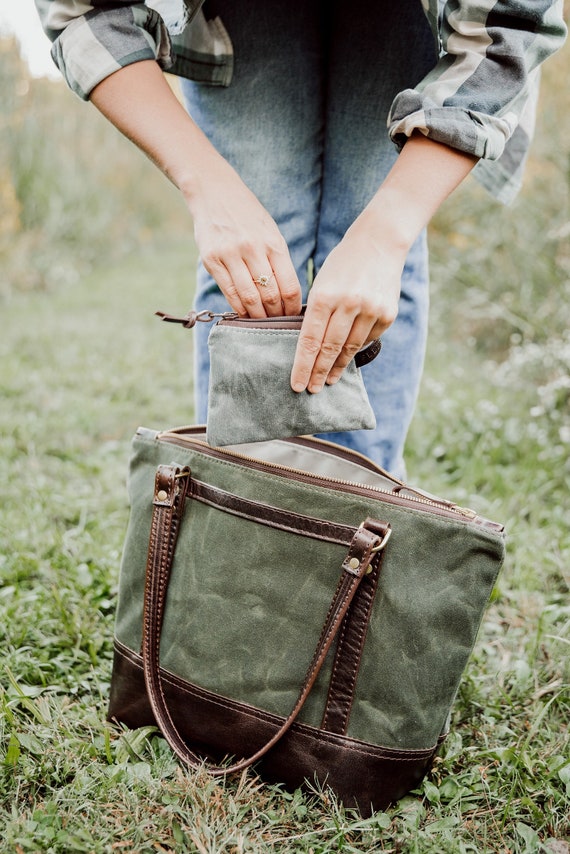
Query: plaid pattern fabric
point(479, 98)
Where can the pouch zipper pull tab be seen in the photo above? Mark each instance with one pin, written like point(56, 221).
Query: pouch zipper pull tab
point(464, 511)
point(189, 320)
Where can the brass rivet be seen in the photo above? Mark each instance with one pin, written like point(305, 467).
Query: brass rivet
point(162, 495)
point(354, 563)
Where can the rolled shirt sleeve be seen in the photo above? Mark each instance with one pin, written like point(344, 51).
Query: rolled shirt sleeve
point(482, 88)
point(92, 41)
point(480, 97)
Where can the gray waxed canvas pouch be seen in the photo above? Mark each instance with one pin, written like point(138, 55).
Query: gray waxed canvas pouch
point(250, 398)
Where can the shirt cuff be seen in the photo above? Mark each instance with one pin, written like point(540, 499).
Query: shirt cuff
point(475, 133)
point(101, 42)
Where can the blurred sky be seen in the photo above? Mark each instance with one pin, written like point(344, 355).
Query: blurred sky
point(19, 17)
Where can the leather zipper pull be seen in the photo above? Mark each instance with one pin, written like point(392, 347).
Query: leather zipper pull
point(192, 317)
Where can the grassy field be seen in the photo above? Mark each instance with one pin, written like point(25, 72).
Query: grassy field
point(84, 362)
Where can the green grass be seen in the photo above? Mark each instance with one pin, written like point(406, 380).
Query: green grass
point(81, 368)
point(72, 192)
point(84, 362)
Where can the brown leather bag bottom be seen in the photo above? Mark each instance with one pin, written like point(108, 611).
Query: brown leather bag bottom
point(208, 721)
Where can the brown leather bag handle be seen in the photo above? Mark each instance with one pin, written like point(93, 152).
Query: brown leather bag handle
point(171, 486)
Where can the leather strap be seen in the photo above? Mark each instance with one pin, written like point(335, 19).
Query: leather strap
point(367, 354)
point(171, 487)
point(350, 644)
point(273, 517)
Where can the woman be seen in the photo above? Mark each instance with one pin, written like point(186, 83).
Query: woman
point(286, 158)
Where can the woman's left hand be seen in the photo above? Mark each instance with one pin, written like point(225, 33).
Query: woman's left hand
point(353, 300)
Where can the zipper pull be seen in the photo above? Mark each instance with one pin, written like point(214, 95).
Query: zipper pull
point(464, 511)
point(189, 320)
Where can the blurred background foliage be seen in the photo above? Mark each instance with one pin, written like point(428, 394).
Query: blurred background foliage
point(73, 193)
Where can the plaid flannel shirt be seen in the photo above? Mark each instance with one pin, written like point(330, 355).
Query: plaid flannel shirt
point(480, 97)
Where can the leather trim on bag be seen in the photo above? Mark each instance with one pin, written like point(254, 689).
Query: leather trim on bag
point(213, 724)
point(350, 645)
point(273, 517)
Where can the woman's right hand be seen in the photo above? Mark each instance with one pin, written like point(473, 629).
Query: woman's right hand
point(238, 241)
point(240, 244)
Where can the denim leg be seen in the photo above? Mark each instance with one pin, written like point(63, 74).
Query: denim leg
point(376, 50)
point(304, 124)
point(269, 125)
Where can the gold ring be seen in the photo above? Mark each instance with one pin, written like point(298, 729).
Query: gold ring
point(263, 281)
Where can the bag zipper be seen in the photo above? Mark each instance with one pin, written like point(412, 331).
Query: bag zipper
point(440, 508)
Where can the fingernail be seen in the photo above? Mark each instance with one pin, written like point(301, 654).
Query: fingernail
point(298, 387)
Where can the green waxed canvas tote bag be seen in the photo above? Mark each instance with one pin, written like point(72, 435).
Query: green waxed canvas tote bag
point(289, 605)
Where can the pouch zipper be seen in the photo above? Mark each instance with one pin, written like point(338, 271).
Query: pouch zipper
point(292, 323)
point(443, 508)
point(233, 319)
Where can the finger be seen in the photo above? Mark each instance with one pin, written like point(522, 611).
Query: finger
point(247, 290)
point(309, 346)
point(265, 281)
point(357, 338)
point(222, 277)
point(287, 282)
point(335, 340)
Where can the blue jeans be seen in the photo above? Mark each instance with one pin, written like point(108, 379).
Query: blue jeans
point(304, 124)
